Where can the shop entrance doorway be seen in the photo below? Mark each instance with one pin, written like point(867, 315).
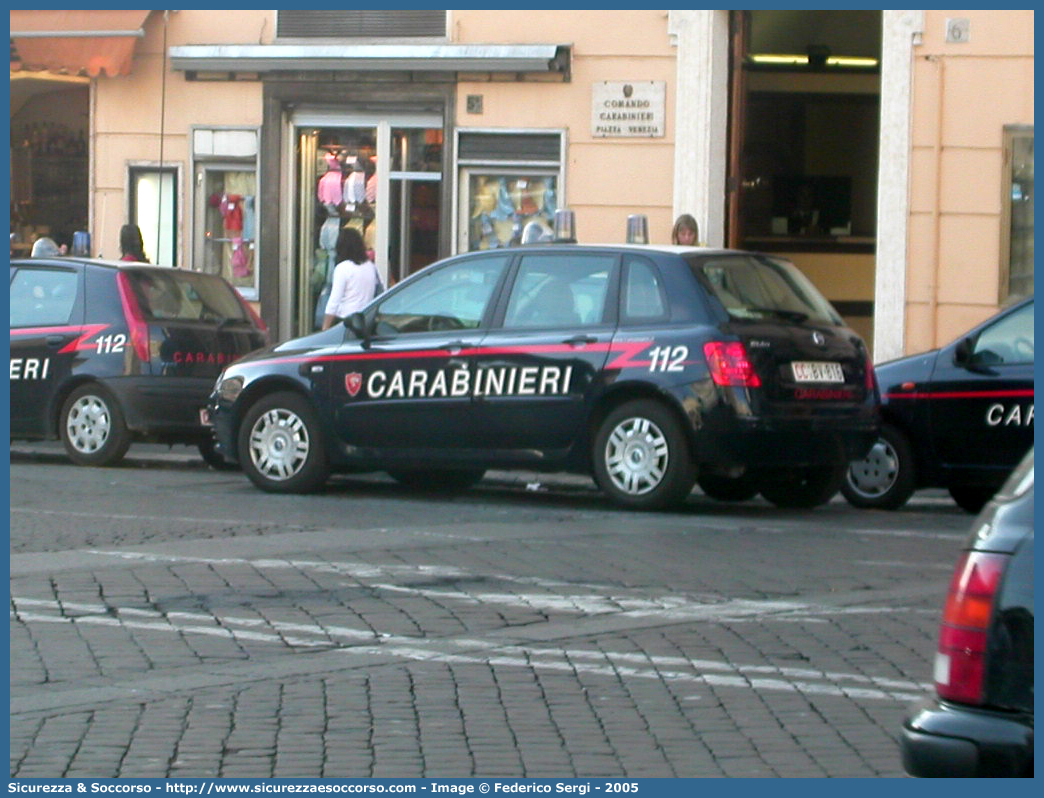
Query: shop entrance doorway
point(382, 176)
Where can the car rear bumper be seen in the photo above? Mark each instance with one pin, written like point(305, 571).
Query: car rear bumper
point(166, 408)
point(782, 444)
point(943, 740)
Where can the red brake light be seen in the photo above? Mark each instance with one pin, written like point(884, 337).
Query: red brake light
point(139, 329)
point(960, 662)
point(871, 377)
point(729, 364)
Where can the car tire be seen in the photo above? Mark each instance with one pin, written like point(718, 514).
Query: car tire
point(804, 488)
point(281, 447)
point(92, 427)
point(430, 480)
point(209, 453)
point(641, 457)
point(971, 498)
point(884, 479)
point(729, 489)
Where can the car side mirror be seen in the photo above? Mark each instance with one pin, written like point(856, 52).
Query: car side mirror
point(356, 322)
point(962, 354)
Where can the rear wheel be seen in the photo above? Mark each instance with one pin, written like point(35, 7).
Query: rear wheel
point(729, 489)
point(447, 481)
point(641, 457)
point(280, 447)
point(885, 478)
point(971, 498)
point(805, 487)
point(212, 458)
point(92, 427)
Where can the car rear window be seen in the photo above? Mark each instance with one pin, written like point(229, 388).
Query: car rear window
point(759, 287)
point(186, 296)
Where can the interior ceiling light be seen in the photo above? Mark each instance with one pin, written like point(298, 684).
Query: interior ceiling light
point(802, 60)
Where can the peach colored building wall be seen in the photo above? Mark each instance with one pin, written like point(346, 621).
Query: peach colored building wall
point(963, 96)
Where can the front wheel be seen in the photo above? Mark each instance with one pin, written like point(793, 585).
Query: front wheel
point(92, 427)
point(280, 447)
point(885, 478)
point(641, 457)
point(805, 487)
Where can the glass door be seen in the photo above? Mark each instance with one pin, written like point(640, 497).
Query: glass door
point(382, 176)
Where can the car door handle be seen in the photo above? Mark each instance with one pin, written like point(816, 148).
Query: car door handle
point(55, 340)
point(580, 340)
point(453, 347)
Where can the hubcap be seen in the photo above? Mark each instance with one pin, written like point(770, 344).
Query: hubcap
point(876, 473)
point(636, 456)
point(89, 424)
point(279, 444)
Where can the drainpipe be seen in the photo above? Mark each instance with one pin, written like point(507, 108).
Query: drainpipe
point(933, 298)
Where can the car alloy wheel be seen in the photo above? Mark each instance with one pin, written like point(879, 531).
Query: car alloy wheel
point(92, 427)
point(641, 457)
point(884, 479)
point(279, 445)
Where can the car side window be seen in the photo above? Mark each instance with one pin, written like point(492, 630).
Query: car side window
point(644, 299)
point(559, 291)
point(43, 297)
point(1007, 341)
point(455, 297)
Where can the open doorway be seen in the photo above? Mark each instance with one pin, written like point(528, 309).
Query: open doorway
point(804, 140)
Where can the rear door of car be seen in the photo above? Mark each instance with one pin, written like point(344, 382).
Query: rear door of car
point(981, 401)
point(544, 357)
point(47, 331)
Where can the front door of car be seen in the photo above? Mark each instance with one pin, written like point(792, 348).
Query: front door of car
point(410, 387)
point(541, 362)
point(981, 409)
point(46, 333)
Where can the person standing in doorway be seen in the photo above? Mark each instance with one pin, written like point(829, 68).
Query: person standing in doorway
point(132, 247)
point(686, 232)
point(355, 278)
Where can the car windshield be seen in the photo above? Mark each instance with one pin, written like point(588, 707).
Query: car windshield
point(186, 296)
point(759, 287)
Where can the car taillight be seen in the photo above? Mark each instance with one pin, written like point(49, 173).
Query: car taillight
point(258, 322)
point(136, 324)
point(729, 364)
point(960, 662)
point(871, 377)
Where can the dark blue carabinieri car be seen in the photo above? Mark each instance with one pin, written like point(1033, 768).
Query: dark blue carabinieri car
point(959, 417)
point(650, 368)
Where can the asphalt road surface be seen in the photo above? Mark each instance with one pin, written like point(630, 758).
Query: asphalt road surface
point(172, 621)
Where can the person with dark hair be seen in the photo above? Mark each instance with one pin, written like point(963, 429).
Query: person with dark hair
point(355, 279)
point(132, 247)
point(686, 232)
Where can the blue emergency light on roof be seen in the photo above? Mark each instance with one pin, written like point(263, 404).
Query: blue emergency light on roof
point(565, 226)
point(637, 229)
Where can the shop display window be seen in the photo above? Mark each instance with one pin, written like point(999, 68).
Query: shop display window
point(501, 205)
point(229, 226)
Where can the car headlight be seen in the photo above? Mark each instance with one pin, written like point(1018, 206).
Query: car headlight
point(228, 389)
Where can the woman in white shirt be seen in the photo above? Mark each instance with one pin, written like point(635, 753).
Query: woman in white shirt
point(354, 280)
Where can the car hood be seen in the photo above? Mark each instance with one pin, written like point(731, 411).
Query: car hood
point(913, 368)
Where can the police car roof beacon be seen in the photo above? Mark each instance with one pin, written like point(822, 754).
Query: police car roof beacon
point(637, 229)
point(565, 226)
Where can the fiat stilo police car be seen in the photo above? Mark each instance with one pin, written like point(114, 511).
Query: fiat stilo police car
point(959, 417)
point(648, 367)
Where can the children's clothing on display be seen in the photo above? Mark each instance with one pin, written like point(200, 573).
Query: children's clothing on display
point(329, 190)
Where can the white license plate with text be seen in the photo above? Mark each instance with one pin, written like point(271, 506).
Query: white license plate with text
point(817, 371)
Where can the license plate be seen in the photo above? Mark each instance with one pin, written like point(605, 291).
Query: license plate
point(814, 371)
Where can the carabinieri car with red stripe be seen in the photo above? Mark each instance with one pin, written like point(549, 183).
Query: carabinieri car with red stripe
point(649, 367)
point(959, 417)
